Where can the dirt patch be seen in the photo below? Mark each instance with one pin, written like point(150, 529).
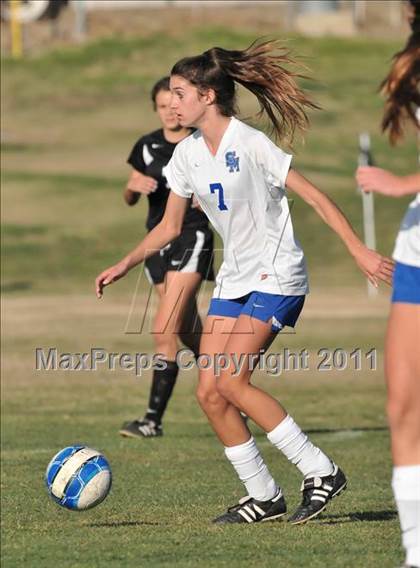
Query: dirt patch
point(28, 314)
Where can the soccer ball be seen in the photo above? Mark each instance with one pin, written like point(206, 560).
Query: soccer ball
point(78, 478)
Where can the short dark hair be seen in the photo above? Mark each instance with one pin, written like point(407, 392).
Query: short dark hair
point(161, 85)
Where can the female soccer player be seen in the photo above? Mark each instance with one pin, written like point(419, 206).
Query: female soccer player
point(176, 271)
point(239, 177)
point(402, 361)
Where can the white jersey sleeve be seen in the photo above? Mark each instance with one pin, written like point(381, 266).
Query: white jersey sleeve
point(274, 163)
point(176, 173)
point(407, 245)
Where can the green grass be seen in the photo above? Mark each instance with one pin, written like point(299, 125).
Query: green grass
point(166, 491)
point(70, 118)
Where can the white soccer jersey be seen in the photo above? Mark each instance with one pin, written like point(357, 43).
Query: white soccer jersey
point(242, 191)
point(407, 245)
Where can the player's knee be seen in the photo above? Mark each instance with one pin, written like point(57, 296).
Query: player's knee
point(165, 342)
point(208, 398)
point(227, 388)
point(402, 413)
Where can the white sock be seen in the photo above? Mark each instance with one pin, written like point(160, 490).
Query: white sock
point(252, 471)
point(406, 487)
point(295, 445)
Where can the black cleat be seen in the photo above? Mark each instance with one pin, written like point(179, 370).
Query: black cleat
point(317, 492)
point(143, 428)
point(249, 510)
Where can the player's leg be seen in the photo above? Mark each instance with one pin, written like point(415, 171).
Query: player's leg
point(322, 478)
point(402, 365)
point(224, 418)
point(175, 304)
point(178, 293)
point(265, 500)
point(188, 260)
point(155, 268)
point(242, 351)
point(192, 252)
point(191, 328)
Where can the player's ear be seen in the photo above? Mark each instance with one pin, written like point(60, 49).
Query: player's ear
point(208, 96)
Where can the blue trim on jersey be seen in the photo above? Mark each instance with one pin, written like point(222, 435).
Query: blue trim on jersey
point(282, 310)
point(406, 284)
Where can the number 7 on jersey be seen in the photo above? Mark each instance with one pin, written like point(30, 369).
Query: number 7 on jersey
point(219, 188)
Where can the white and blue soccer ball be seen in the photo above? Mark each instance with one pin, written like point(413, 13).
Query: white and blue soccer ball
point(78, 478)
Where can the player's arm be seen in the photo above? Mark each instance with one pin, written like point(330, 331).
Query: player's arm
point(167, 230)
point(387, 183)
point(372, 264)
point(137, 184)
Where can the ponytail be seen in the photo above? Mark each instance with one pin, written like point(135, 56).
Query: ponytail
point(401, 86)
point(261, 68)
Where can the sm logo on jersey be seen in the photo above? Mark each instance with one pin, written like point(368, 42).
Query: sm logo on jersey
point(232, 162)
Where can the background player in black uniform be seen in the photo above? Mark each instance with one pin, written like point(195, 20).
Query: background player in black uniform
point(177, 270)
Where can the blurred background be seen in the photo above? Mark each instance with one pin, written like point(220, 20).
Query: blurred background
point(75, 96)
point(72, 20)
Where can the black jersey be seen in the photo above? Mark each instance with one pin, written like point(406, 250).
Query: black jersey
point(149, 156)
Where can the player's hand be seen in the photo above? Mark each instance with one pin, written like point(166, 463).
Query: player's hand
point(140, 183)
point(378, 180)
point(374, 266)
point(109, 276)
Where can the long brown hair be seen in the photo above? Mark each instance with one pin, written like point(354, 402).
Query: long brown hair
point(261, 69)
point(401, 85)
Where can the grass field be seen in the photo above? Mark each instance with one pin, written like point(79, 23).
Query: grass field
point(69, 119)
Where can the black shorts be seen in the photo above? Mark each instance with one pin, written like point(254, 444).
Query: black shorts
point(191, 252)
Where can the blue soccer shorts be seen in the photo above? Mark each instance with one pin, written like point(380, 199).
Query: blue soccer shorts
point(406, 284)
point(281, 310)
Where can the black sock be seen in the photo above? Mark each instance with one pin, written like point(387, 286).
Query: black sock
point(162, 387)
point(194, 348)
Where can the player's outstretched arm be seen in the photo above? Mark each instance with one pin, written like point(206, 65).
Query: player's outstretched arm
point(167, 230)
point(372, 264)
point(382, 181)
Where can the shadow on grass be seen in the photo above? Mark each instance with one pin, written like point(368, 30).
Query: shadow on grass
point(343, 431)
point(258, 433)
point(336, 430)
point(365, 516)
point(116, 524)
